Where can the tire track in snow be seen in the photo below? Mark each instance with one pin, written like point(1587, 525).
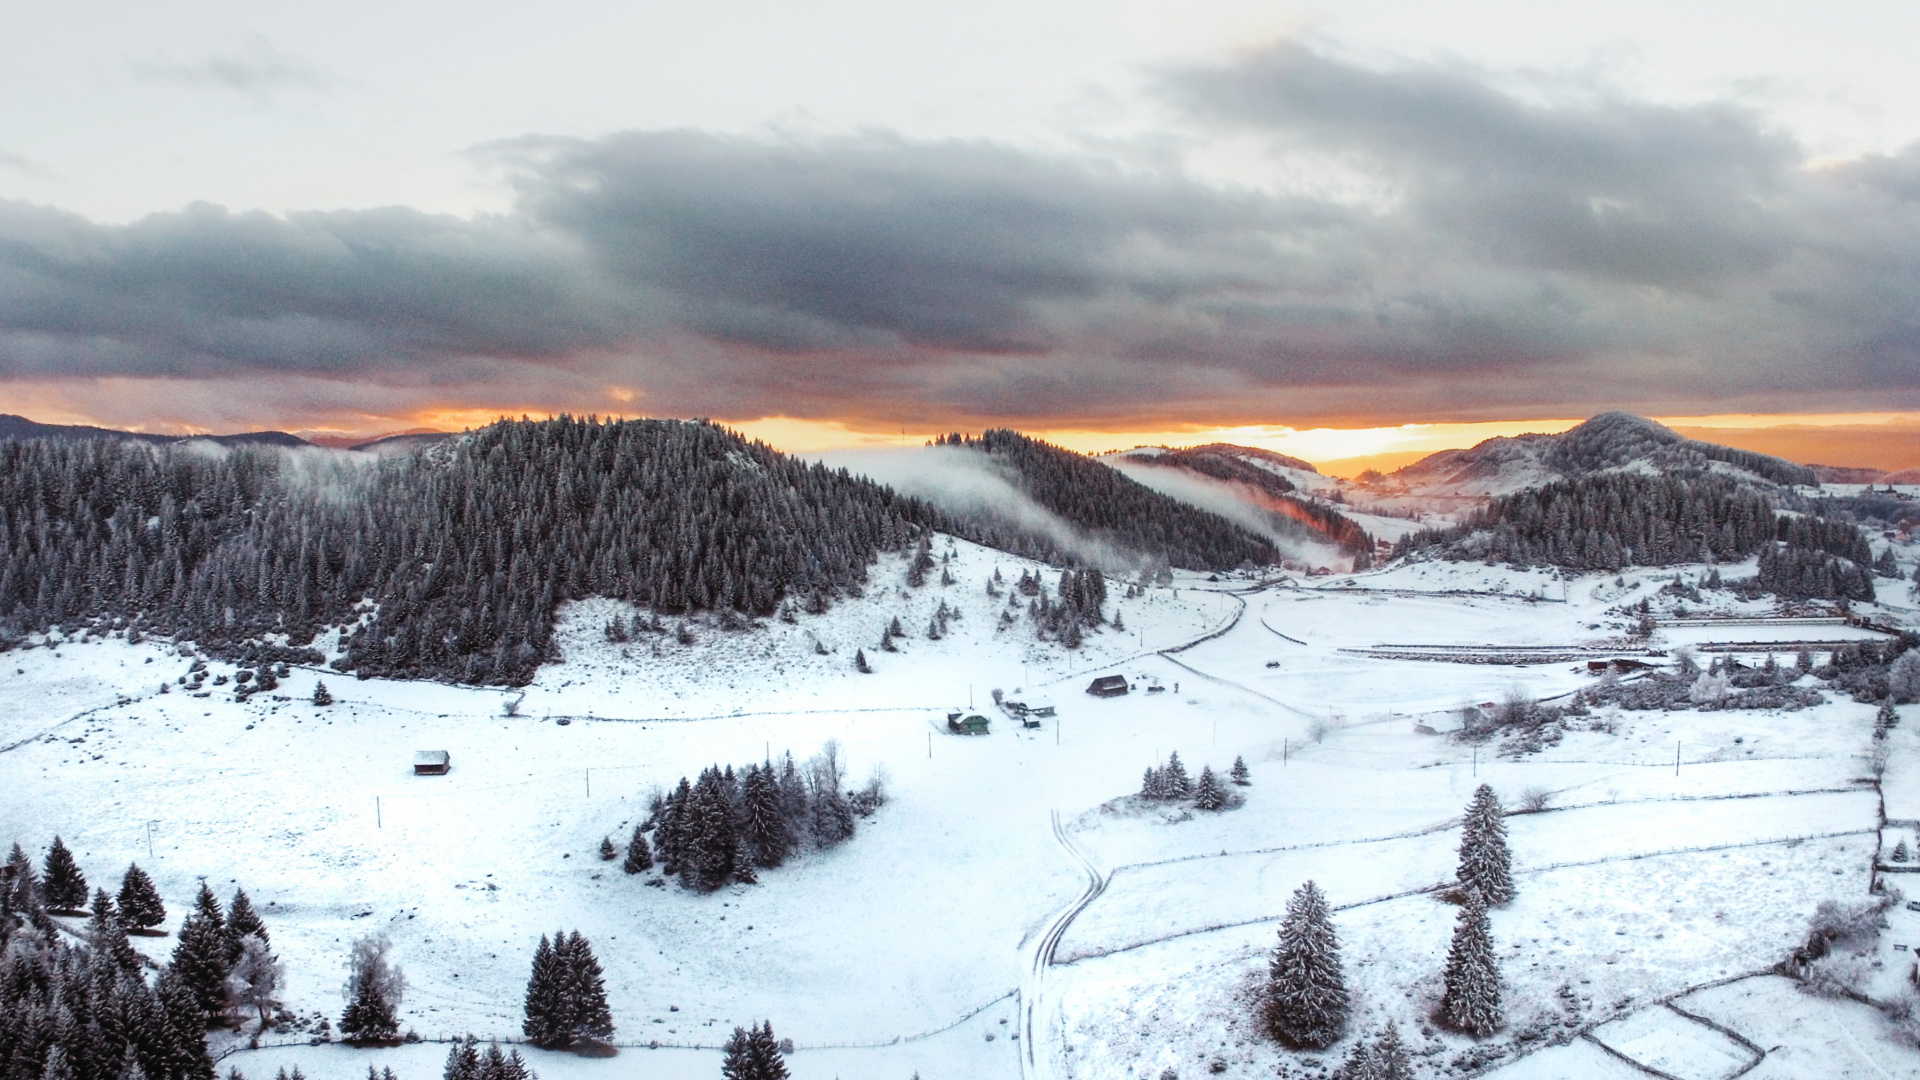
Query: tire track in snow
point(1036, 1063)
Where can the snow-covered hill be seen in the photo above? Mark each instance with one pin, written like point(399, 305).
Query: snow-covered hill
point(1608, 442)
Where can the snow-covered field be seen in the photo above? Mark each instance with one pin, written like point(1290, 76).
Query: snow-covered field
point(939, 936)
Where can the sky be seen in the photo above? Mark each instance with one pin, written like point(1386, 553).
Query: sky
point(841, 220)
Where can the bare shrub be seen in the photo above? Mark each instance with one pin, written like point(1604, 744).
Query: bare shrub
point(1533, 800)
point(1838, 975)
point(1322, 726)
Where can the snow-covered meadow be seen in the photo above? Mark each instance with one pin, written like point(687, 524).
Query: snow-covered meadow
point(938, 939)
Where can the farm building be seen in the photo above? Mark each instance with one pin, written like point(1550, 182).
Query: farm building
point(1108, 686)
point(967, 725)
point(431, 762)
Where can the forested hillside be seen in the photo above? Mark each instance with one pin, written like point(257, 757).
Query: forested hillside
point(1607, 521)
point(1292, 514)
point(465, 549)
point(1111, 509)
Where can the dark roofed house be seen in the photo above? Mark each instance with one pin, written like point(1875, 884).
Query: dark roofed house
point(1108, 686)
point(431, 762)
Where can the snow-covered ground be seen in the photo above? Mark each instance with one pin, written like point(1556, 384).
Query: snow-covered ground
point(930, 940)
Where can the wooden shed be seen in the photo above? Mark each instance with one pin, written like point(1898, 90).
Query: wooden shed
point(1108, 686)
point(967, 725)
point(431, 762)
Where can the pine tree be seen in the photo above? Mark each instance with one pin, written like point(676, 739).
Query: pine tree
point(765, 830)
point(545, 1023)
point(1486, 865)
point(1306, 994)
point(1885, 720)
point(243, 921)
point(1472, 1000)
point(639, 859)
point(1240, 775)
point(463, 1061)
point(753, 1054)
point(200, 961)
point(321, 695)
point(108, 936)
point(1174, 778)
point(61, 882)
point(607, 851)
point(1152, 786)
point(373, 991)
point(584, 991)
point(1390, 1058)
point(860, 662)
point(140, 906)
point(1207, 795)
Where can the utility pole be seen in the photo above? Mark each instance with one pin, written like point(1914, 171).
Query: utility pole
point(589, 783)
point(929, 746)
point(1676, 757)
point(1476, 762)
point(376, 813)
point(150, 855)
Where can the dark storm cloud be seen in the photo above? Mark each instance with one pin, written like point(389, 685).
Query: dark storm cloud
point(1551, 248)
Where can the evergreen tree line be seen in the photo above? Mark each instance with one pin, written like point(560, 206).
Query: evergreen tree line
point(1111, 509)
point(88, 1011)
point(1609, 521)
point(1169, 782)
point(1081, 604)
point(1305, 1002)
point(466, 548)
point(728, 826)
point(466, 1062)
point(1292, 515)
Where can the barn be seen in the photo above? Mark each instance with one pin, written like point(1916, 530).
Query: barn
point(431, 762)
point(1108, 686)
point(967, 725)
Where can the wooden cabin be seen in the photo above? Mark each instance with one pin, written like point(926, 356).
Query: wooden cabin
point(1108, 686)
point(431, 762)
point(967, 725)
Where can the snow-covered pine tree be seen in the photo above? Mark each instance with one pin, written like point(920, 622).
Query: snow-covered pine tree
point(860, 662)
point(1359, 1064)
point(670, 832)
point(200, 960)
point(17, 878)
point(583, 990)
point(639, 858)
point(1486, 864)
point(108, 937)
point(62, 885)
point(753, 1054)
point(1885, 720)
point(1389, 1057)
point(1151, 786)
point(1207, 794)
point(1174, 778)
point(321, 695)
point(713, 837)
point(1239, 773)
point(545, 1010)
point(140, 906)
point(1306, 995)
point(463, 1061)
point(243, 921)
point(373, 992)
point(1900, 853)
point(1472, 1000)
point(764, 829)
point(607, 851)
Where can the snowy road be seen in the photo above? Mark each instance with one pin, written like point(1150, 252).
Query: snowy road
point(1036, 1061)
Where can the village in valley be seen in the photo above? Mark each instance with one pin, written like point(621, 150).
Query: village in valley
point(1396, 809)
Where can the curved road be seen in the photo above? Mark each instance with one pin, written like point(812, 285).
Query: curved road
point(1036, 1019)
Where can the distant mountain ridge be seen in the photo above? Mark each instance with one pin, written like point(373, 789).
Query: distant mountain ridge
point(1614, 441)
point(19, 427)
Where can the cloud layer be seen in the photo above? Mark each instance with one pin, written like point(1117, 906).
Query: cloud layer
point(1486, 251)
